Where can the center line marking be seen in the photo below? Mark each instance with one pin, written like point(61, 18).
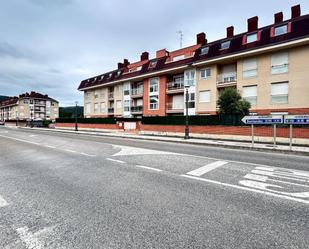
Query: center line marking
point(3, 202)
point(28, 238)
point(114, 160)
point(209, 167)
point(49, 146)
point(150, 168)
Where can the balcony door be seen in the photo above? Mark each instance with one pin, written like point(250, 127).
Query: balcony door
point(178, 103)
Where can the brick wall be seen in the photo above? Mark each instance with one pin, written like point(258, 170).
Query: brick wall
point(88, 126)
point(264, 131)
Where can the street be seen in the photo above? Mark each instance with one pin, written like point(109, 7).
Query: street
point(60, 190)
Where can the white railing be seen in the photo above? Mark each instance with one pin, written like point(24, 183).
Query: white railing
point(227, 78)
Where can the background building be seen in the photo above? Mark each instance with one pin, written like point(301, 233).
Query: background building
point(29, 106)
point(269, 66)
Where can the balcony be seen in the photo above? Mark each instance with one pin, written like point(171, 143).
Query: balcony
point(137, 109)
point(110, 110)
point(175, 108)
point(111, 95)
point(225, 80)
point(137, 93)
point(174, 87)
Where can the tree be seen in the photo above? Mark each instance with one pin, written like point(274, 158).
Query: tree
point(230, 102)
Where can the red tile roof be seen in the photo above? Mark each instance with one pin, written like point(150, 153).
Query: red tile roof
point(299, 28)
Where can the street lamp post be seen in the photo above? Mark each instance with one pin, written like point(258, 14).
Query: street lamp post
point(187, 114)
point(76, 125)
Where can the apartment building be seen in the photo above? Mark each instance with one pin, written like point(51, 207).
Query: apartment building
point(29, 106)
point(269, 66)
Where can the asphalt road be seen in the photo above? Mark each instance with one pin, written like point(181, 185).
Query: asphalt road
point(75, 191)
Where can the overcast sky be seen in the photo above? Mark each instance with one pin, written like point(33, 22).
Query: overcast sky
point(51, 45)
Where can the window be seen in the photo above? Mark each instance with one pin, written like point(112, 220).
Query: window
point(178, 58)
point(96, 94)
point(102, 107)
point(191, 100)
point(118, 73)
point(96, 107)
point(204, 96)
point(154, 85)
point(87, 96)
point(126, 89)
point(88, 108)
point(102, 94)
point(249, 68)
point(154, 102)
point(280, 63)
point(190, 78)
point(204, 50)
point(205, 73)
point(279, 93)
point(152, 64)
point(225, 45)
point(281, 30)
point(118, 104)
point(252, 38)
point(126, 105)
point(249, 93)
point(26, 101)
point(31, 101)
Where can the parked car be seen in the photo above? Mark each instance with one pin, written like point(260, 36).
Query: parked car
point(1, 122)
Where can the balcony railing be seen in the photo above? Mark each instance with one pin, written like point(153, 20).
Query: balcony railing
point(137, 91)
point(110, 110)
point(175, 106)
point(111, 95)
point(227, 78)
point(175, 86)
point(136, 108)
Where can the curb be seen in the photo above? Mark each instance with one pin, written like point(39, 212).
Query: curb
point(162, 139)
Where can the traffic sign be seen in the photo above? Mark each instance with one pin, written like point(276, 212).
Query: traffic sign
point(296, 119)
point(262, 120)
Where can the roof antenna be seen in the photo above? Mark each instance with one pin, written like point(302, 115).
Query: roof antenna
point(180, 37)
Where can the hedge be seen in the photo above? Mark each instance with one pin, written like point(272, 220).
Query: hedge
point(199, 120)
point(87, 120)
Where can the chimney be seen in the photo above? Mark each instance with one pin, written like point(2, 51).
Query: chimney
point(145, 56)
point(253, 23)
point(278, 17)
point(161, 53)
point(230, 32)
point(120, 65)
point(126, 63)
point(201, 38)
point(296, 12)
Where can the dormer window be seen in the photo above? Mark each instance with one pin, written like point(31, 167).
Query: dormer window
point(110, 75)
point(204, 50)
point(225, 45)
point(281, 30)
point(118, 73)
point(178, 58)
point(152, 64)
point(139, 68)
point(252, 38)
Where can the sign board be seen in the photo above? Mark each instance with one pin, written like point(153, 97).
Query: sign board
point(263, 120)
point(296, 119)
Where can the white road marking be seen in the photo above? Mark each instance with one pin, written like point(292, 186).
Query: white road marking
point(28, 238)
point(265, 178)
point(129, 151)
point(290, 172)
point(209, 167)
point(72, 151)
point(248, 189)
point(3, 202)
point(49, 146)
point(150, 168)
point(114, 160)
point(20, 140)
point(33, 135)
point(85, 154)
point(273, 174)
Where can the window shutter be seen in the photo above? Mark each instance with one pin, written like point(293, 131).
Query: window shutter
point(280, 59)
point(249, 64)
point(280, 88)
point(249, 91)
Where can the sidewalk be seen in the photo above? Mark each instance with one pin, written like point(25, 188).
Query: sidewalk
point(301, 150)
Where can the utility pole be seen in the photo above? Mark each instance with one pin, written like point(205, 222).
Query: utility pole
point(180, 37)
